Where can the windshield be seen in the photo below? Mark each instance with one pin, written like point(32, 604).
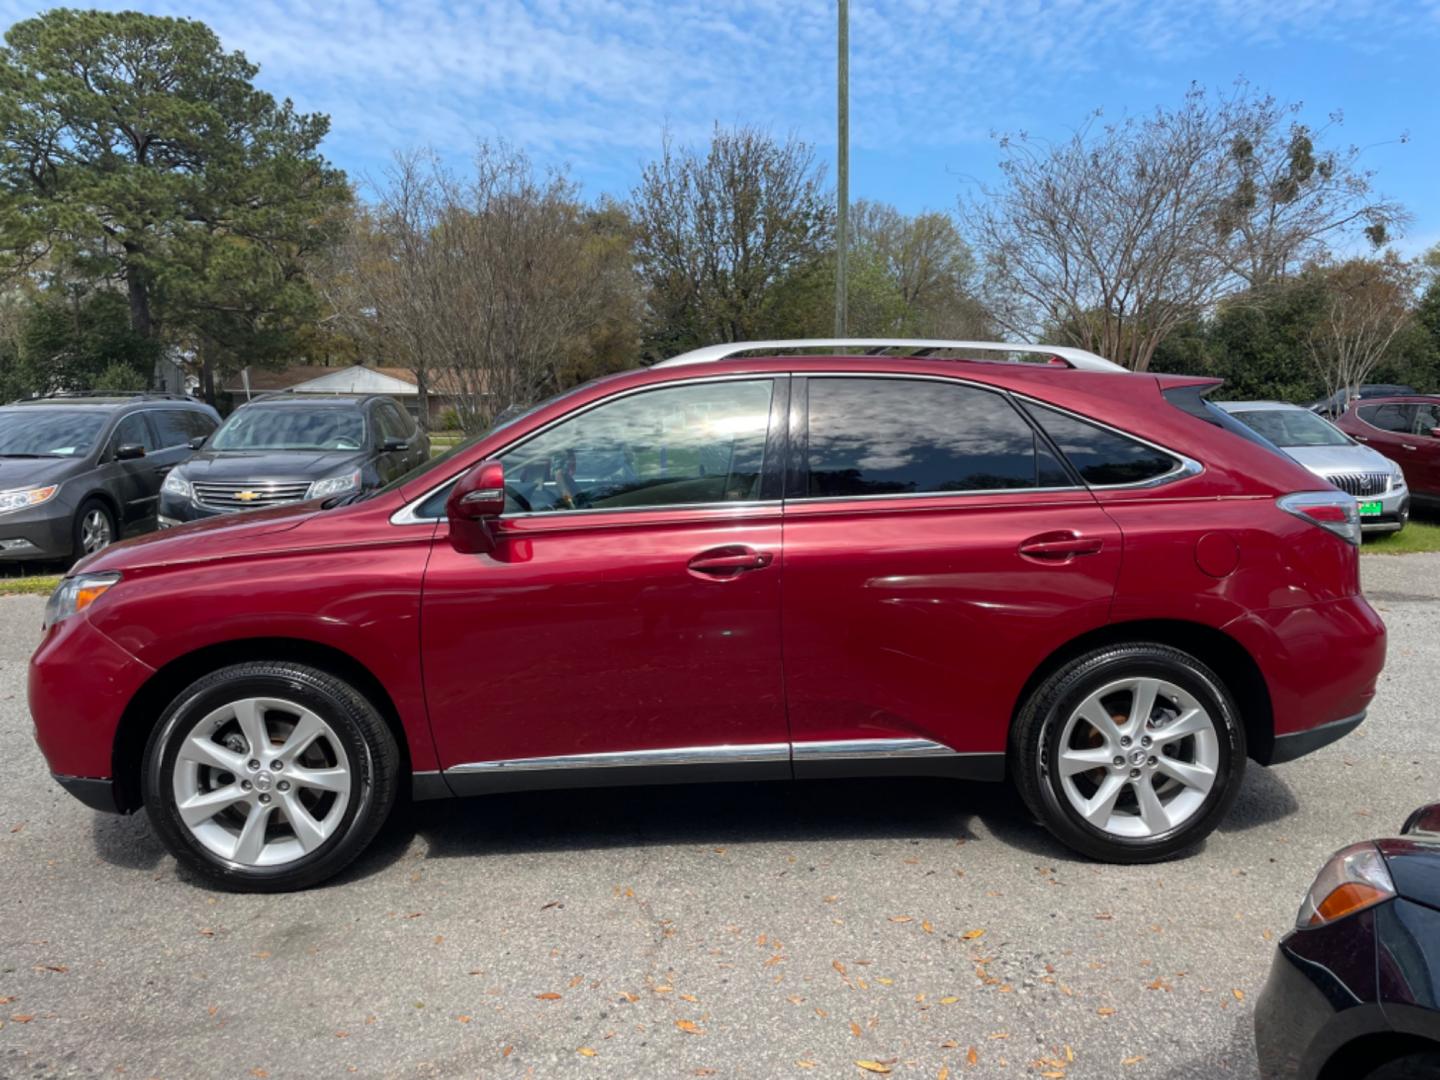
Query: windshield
point(1293, 427)
point(291, 427)
point(48, 432)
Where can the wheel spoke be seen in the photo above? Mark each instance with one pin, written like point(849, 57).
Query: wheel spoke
point(205, 751)
point(307, 729)
point(250, 715)
point(202, 807)
point(1098, 809)
point(1078, 761)
point(308, 831)
point(251, 841)
point(1193, 776)
point(335, 779)
point(1142, 703)
point(1190, 722)
point(1094, 714)
point(1152, 811)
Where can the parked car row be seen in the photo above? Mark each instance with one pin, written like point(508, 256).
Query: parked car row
point(79, 471)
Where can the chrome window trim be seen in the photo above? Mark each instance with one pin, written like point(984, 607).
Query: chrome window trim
point(868, 749)
point(407, 514)
point(690, 755)
point(970, 493)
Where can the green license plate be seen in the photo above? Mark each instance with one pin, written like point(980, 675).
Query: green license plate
point(1369, 509)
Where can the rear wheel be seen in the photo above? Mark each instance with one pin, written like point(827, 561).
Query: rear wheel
point(1131, 753)
point(265, 777)
point(94, 528)
point(1414, 1067)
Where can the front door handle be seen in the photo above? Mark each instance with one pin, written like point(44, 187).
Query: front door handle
point(1407, 446)
point(1359, 438)
point(730, 561)
point(1060, 546)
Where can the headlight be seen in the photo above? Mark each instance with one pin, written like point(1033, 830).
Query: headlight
point(20, 498)
point(75, 594)
point(176, 485)
point(1354, 879)
point(334, 485)
point(1397, 477)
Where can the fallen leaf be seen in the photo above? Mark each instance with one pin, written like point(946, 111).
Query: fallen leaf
point(689, 1027)
point(632, 998)
point(854, 1029)
point(927, 926)
point(507, 1051)
point(585, 1051)
point(23, 1018)
point(258, 1072)
point(1239, 994)
point(689, 997)
point(805, 1063)
point(549, 995)
point(463, 1018)
point(944, 1073)
point(973, 1057)
point(949, 1000)
point(1106, 1011)
point(971, 935)
point(873, 1066)
point(342, 1034)
point(1133, 1060)
point(207, 932)
point(552, 903)
point(838, 966)
point(61, 968)
point(902, 918)
point(576, 981)
point(884, 981)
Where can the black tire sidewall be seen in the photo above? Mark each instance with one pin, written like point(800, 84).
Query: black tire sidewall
point(337, 705)
point(1058, 698)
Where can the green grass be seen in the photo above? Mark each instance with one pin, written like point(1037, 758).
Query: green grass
point(38, 585)
point(1416, 536)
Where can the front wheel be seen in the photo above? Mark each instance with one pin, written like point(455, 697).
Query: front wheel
point(94, 528)
point(1130, 753)
point(266, 777)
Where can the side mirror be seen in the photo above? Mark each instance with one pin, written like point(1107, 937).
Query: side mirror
point(392, 444)
point(129, 451)
point(1424, 820)
point(198, 441)
point(476, 500)
point(1435, 432)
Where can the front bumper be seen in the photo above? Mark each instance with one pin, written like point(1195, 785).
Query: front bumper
point(46, 531)
point(1394, 512)
point(94, 793)
point(175, 510)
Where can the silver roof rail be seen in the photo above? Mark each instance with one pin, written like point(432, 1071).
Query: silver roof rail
point(1076, 358)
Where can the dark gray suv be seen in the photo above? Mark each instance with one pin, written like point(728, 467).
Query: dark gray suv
point(80, 471)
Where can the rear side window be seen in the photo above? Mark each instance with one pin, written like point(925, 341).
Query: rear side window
point(1392, 417)
point(913, 436)
point(1102, 457)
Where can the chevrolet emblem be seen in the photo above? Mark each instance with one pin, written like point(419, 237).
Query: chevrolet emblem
point(247, 496)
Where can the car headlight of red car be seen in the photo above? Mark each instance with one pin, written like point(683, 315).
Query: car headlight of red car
point(75, 594)
point(1354, 879)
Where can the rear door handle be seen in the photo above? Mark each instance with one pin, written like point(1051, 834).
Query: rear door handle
point(1060, 547)
point(729, 561)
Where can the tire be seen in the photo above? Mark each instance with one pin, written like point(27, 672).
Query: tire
point(1104, 811)
point(321, 808)
point(93, 528)
point(1413, 1067)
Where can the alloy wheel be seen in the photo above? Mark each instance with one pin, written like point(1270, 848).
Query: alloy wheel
point(262, 782)
point(95, 531)
point(1138, 757)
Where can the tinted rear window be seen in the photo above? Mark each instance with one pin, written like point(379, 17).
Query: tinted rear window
point(909, 436)
point(1102, 457)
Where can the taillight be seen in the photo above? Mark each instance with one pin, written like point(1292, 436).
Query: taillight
point(1354, 879)
point(1332, 510)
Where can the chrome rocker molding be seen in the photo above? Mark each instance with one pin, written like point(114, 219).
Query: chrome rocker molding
point(749, 761)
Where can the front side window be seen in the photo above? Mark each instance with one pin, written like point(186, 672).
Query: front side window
point(682, 445)
point(1391, 417)
point(1102, 457)
point(134, 431)
point(43, 431)
point(871, 436)
point(172, 425)
point(291, 427)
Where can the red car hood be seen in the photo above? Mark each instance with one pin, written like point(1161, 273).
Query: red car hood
point(199, 541)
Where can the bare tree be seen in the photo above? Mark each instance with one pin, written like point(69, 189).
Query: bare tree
point(1116, 235)
point(715, 232)
point(930, 264)
point(1367, 302)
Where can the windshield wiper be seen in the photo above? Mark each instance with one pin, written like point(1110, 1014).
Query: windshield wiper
point(31, 455)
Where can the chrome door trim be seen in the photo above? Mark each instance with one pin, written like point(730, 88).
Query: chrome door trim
point(870, 749)
point(690, 755)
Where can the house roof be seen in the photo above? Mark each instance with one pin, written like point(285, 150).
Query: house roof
point(316, 379)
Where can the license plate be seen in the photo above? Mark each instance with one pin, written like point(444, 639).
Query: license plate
point(1370, 509)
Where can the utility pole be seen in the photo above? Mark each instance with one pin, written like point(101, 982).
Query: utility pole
point(842, 167)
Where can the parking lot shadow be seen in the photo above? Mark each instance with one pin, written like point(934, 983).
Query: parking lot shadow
point(1264, 799)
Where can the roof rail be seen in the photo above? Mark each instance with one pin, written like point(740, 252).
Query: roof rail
point(161, 395)
point(1075, 358)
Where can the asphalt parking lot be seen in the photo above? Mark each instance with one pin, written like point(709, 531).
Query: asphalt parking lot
point(748, 931)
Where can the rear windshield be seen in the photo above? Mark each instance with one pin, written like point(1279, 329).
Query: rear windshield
point(289, 427)
point(1292, 427)
point(47, 432)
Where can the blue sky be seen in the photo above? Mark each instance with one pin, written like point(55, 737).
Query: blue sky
point(593, 83)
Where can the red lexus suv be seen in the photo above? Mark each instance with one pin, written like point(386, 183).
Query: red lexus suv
point(747, 562)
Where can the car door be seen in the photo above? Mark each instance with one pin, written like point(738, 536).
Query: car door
point(1385, 427)
point(1424, 476)
point(627, 623)
point(174, 429)
point(132, 481)
point(388, 424)
point(936, 551)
